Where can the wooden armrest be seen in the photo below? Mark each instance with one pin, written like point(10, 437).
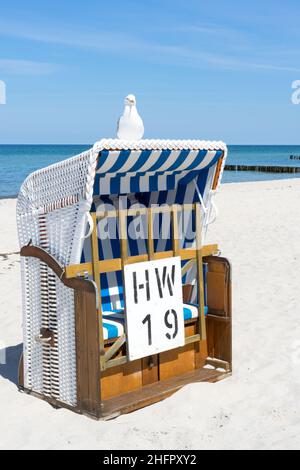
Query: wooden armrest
point(32, 251)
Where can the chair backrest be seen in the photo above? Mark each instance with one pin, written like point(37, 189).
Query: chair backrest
point(137, 236)
point(153, 173)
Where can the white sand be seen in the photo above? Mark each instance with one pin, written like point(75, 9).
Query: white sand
point(258, 408)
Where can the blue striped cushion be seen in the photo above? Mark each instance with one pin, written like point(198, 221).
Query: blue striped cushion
point(113, 324)
point(191, 311)
point(114, 320)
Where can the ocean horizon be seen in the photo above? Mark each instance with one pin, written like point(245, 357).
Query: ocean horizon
point(18, 161)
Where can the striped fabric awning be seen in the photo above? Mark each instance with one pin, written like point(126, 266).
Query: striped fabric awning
point(150, 173)
point(147, 166)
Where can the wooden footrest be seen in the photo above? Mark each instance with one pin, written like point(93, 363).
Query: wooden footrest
point(156, 392)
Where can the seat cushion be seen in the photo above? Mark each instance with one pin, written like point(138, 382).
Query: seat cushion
point(191, 311)
point(114, 320)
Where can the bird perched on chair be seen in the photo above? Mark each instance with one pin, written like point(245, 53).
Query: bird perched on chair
point(130, 124)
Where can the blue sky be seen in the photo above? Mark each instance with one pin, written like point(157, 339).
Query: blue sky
point(199, 69)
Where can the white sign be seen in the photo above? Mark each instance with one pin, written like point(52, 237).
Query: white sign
point(154, 307)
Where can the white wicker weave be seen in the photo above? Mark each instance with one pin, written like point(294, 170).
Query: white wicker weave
point(161, 144)
point(51, 212)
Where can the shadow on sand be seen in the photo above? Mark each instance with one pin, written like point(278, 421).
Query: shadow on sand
point(9, 362)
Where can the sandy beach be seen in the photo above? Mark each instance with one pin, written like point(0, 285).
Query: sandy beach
point(258, 229)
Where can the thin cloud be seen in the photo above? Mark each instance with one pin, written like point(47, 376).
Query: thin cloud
point(230, 63)
point(210, 29)
point(25, 67)
point(195, 59)
point(69, 37)
point(119, 43)
point(253, 65)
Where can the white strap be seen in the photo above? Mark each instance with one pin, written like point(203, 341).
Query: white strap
point(213, 207)
point(215, 213)
point(91, 225)
point(200, 198)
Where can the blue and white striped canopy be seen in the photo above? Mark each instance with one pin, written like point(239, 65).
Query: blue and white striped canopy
point(150, 173)
point(148, 166)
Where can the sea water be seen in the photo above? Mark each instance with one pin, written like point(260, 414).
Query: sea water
point(18, 161)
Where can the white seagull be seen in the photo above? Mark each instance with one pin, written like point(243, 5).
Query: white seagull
point(130, 124)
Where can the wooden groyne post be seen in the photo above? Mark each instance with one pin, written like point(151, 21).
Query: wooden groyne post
point(263, 168)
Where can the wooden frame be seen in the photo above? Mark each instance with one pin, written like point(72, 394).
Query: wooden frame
point(97, 266)
point(107, 384)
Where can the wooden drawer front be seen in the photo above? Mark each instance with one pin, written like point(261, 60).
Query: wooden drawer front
point(181, 360)
point(121, 379)
point(134, 375)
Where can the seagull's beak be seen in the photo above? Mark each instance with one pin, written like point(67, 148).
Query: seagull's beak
point(130, 100)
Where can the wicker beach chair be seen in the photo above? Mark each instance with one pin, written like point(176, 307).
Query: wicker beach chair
point(85, 226)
